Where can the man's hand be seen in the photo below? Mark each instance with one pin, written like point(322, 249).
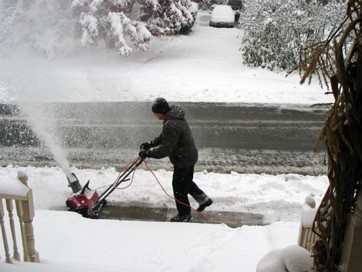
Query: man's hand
point(144, 153)
point(146, 146)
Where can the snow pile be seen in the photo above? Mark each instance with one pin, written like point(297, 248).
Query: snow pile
point(292, 258)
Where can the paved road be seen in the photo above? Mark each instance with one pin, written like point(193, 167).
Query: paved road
point(231, 137)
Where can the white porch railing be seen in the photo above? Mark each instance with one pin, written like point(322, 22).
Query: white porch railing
point(351, 260)
point(14, 193)
point(307, 237)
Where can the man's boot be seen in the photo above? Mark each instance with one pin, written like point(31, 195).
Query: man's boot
point(181, 218)
point(203, 200)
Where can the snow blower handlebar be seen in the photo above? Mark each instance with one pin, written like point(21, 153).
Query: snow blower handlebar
point(121, 178)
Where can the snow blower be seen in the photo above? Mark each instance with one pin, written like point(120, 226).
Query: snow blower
point(89, 203)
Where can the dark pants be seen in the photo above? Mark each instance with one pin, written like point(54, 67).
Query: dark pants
point(182, 183)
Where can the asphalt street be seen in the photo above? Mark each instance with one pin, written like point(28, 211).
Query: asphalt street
point(231, 137)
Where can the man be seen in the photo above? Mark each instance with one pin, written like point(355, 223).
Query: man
point(177, 143)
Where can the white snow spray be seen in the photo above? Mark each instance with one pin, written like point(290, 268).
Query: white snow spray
point(40, 117)
point(26, 54)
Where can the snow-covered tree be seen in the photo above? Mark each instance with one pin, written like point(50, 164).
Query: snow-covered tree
point(107, 20)
point(51, 26)
point(276, 31)
point(165, 17)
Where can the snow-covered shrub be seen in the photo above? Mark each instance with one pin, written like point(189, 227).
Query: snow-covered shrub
point(276, 31)
point(106, 20)
point(167, 17)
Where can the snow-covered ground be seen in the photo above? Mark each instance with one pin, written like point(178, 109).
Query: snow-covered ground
point(204, 66)
point(68, 239)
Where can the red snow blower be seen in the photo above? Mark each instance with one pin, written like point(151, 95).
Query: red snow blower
point(89, 203)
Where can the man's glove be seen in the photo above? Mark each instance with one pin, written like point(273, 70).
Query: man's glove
point(146, 146)
point(144, 153)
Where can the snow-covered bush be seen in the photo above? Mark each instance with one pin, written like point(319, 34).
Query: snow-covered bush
point(276, 31)
point(106, 20)
point(166, 17)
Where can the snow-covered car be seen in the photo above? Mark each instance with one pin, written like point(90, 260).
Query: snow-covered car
point(222, 16)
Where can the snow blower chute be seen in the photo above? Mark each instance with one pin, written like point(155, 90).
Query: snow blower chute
point(74, 182)
point(88, 202)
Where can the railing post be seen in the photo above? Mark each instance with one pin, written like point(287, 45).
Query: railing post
point(307, 237)
point(10, 208)
point(19, 211)
point(27, 209)
point(3, 231)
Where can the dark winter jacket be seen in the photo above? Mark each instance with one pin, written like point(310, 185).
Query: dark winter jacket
point(175, 141)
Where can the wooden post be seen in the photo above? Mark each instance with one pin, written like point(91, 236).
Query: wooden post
point(19, 211)
point(28, 211)
point(9, 206)
point(3, 231)
point(307, 237)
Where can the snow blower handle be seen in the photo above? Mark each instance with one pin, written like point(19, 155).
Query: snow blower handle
point(145, 150)
point(147, 145)
point(139, 162)
point(144, 153)
point(122, 177)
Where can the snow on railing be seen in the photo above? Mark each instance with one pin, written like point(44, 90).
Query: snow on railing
point(307, 237)
point(16, 193)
